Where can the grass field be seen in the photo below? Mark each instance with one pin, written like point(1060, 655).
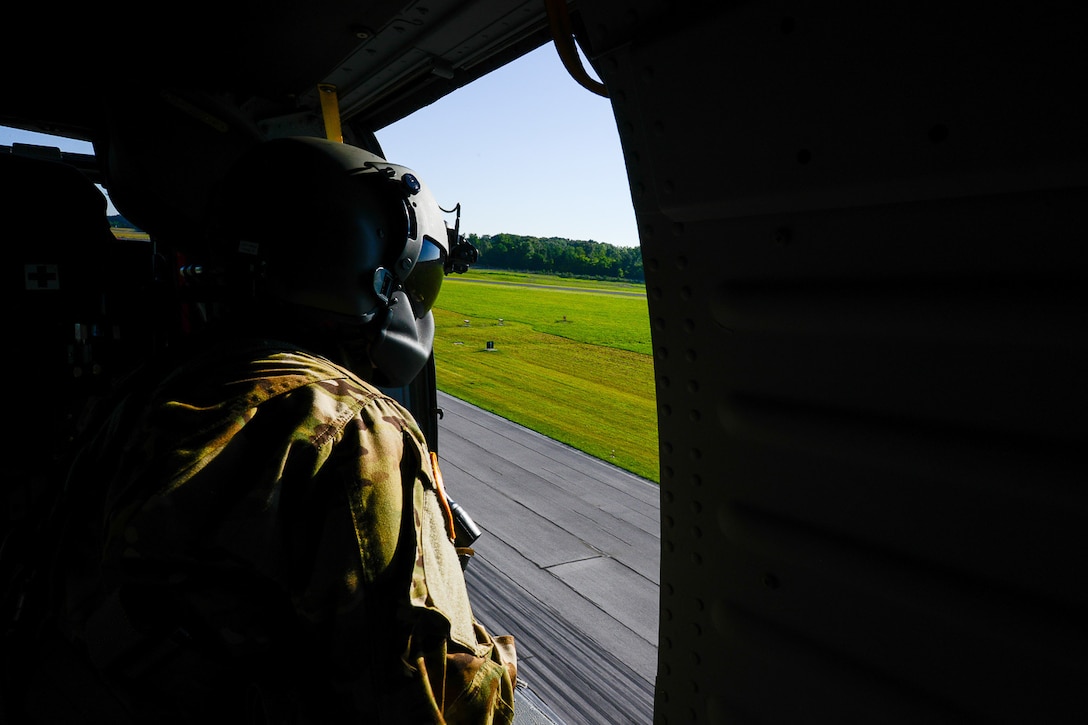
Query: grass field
point(572, 365)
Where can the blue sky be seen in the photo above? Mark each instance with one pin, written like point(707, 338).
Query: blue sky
point(524, 150)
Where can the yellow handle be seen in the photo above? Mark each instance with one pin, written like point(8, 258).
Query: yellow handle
point(330, 110)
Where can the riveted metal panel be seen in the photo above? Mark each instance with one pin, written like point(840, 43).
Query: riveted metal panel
point(862, 226)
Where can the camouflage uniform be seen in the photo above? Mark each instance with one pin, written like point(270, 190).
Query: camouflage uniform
point(271, 539)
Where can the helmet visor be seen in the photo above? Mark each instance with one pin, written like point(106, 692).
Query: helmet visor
point(425, 280)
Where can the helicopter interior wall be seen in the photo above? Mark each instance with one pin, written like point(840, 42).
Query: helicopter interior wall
point(82, 307)
point(865, 267)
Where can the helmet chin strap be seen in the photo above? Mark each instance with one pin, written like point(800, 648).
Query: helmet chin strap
point(402, 342)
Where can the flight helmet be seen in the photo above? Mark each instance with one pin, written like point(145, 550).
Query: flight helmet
point(342, 238)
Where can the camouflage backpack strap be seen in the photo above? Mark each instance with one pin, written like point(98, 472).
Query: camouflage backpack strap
point(467, 675)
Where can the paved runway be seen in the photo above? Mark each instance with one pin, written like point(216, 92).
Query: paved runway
point(568, 563)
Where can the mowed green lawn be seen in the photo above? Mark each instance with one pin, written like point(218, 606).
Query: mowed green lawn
point(573, 365)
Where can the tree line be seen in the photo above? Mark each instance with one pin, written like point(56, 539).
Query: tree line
point(554, 255)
